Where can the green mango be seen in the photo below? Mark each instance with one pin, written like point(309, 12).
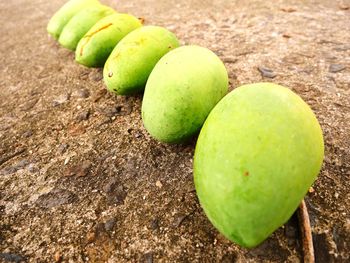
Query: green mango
point(182, 89)
point(259, 151)
point(94, 48)
point(64, 14)
point(132, 60)
point(80, 24)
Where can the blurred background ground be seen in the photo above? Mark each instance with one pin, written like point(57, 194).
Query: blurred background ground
point(80, 178)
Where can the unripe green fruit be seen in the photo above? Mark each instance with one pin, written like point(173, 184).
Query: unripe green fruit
point(80, 24)
point(94, 48)
point(132, 60)
point(65, 13)
point(182, 89)
point(257, 154)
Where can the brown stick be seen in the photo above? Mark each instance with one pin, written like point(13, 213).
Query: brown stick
point(305, 229)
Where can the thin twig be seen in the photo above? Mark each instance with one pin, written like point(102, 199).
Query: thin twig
point(305, 229)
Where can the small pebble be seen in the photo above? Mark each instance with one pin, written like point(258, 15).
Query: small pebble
point(267, 73)
point(76, 130)
point(228, 258)
point(115, 192)
point(83, 116)
point(60, 99)
point(57, 257)
point(56, 197)
point(82, 93)
point(154, 224)
point(334, 68)
point(110, 223)
point(96, 75)
point(179, 218)
point(159, 184)
point(111, 111)
point(66, 161)
point(138, 134)
point(99, 94)
point(11, 257)
point(230, 60)
point(90, 236)
point(148, 257)
point(79, 170)
point(27, 134)
point(29, 105)
point(63, 148)
point(32, 168)
point(21, 164)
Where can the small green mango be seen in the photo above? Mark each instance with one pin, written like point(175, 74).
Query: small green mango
point(257, 154)
point(65, 13)
point(80, 24)
point(94, 48)
point(182, 89)
point(132, 60)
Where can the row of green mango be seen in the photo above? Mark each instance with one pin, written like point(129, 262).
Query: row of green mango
point(130, 52)
point(261, 146)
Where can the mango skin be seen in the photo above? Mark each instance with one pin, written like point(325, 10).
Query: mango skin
point(257, 154)
point(64, 14)
point(94, 48)
point(128, 67)
point(182, 89)
point(80, 24)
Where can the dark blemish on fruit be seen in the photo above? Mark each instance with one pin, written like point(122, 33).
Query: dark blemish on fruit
point(142, 20)
point(110, 74)
point(169, 46)
point(246, 173)
point(116, 55)
point(88, 37)
point(140, 41)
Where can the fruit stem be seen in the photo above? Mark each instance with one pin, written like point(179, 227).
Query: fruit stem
point(305, 229)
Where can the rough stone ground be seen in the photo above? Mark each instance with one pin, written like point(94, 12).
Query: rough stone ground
point(80, 178)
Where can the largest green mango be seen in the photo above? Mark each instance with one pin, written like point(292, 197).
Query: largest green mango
point(77, 27)
point(65, 13)
point(94, 48)
point(132, 60)
point(257, 154)
point(181, 91)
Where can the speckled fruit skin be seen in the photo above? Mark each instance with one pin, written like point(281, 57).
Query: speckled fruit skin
point(64, 14)
point(181, 91)
point(257, 154)
point(94, 48)
point(80, 24)
point(132, 60)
